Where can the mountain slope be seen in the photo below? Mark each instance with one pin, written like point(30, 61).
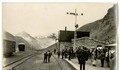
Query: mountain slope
point(31, 40)
point(103, 29)
point(45, 41)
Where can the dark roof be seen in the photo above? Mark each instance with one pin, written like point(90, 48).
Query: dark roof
point(66, 36)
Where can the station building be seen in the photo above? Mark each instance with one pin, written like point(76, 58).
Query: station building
point(65, 38)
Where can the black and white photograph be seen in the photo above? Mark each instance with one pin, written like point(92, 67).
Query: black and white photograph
point(59, 36)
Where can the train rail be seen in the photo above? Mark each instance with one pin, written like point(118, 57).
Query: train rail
point(58, 62)
point(11, 66)
point(16, 63)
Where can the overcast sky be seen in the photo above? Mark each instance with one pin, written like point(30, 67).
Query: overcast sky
point(41, 19)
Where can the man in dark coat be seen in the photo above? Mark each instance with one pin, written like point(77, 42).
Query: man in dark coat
point(54, 51)
point(102, 57)
point(70, 52)
point(45, 57)
point(66, 53)
point(63, 53)
point(49, 55)
point(58, 53)
point(82, 57)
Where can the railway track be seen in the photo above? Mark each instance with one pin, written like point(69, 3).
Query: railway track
point(63, 64)
point(59, 64)
point(55, 63)
point(14, 64)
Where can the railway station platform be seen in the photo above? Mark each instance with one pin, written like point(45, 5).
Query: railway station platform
point(36, 63)
point(73, 63)
point(16, 57)
point(56, 63)
point(88, 66)
point(64, 63)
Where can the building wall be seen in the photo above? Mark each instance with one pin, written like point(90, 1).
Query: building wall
point(87, 42)
point(90, 43)
point(63, 44)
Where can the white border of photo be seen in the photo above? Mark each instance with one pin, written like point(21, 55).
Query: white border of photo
point(115, 1)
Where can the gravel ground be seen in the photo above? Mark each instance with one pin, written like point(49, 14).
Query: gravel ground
point(36, 63)
point(16, 57)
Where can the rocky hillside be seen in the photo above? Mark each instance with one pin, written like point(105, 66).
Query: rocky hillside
point(103, 29)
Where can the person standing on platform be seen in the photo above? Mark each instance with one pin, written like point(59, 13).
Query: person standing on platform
point(58, 53)
point(63, 53)
point(94, 58)
point(107, 59)
point(82, 57)
point(49, 55)
point(70, 52)
point(66, 53)
point(54, 51)
point(78, 54)
point(102, 57)
point(45, 57)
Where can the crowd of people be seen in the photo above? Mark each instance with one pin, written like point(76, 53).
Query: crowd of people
point(104, 55)
point(83, 54)
point(66, 53)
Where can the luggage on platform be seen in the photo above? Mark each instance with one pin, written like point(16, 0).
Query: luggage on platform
point(94, 62)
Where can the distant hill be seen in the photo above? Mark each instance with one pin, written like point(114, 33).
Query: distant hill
point(31, 40)
point(103, 29)
point(37, 42)
point(44, 42)
point(51, 47)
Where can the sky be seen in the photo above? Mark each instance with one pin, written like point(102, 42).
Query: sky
point(42, 19)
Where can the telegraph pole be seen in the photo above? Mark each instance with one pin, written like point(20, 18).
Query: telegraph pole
point(75, 32)
point(76, 26)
